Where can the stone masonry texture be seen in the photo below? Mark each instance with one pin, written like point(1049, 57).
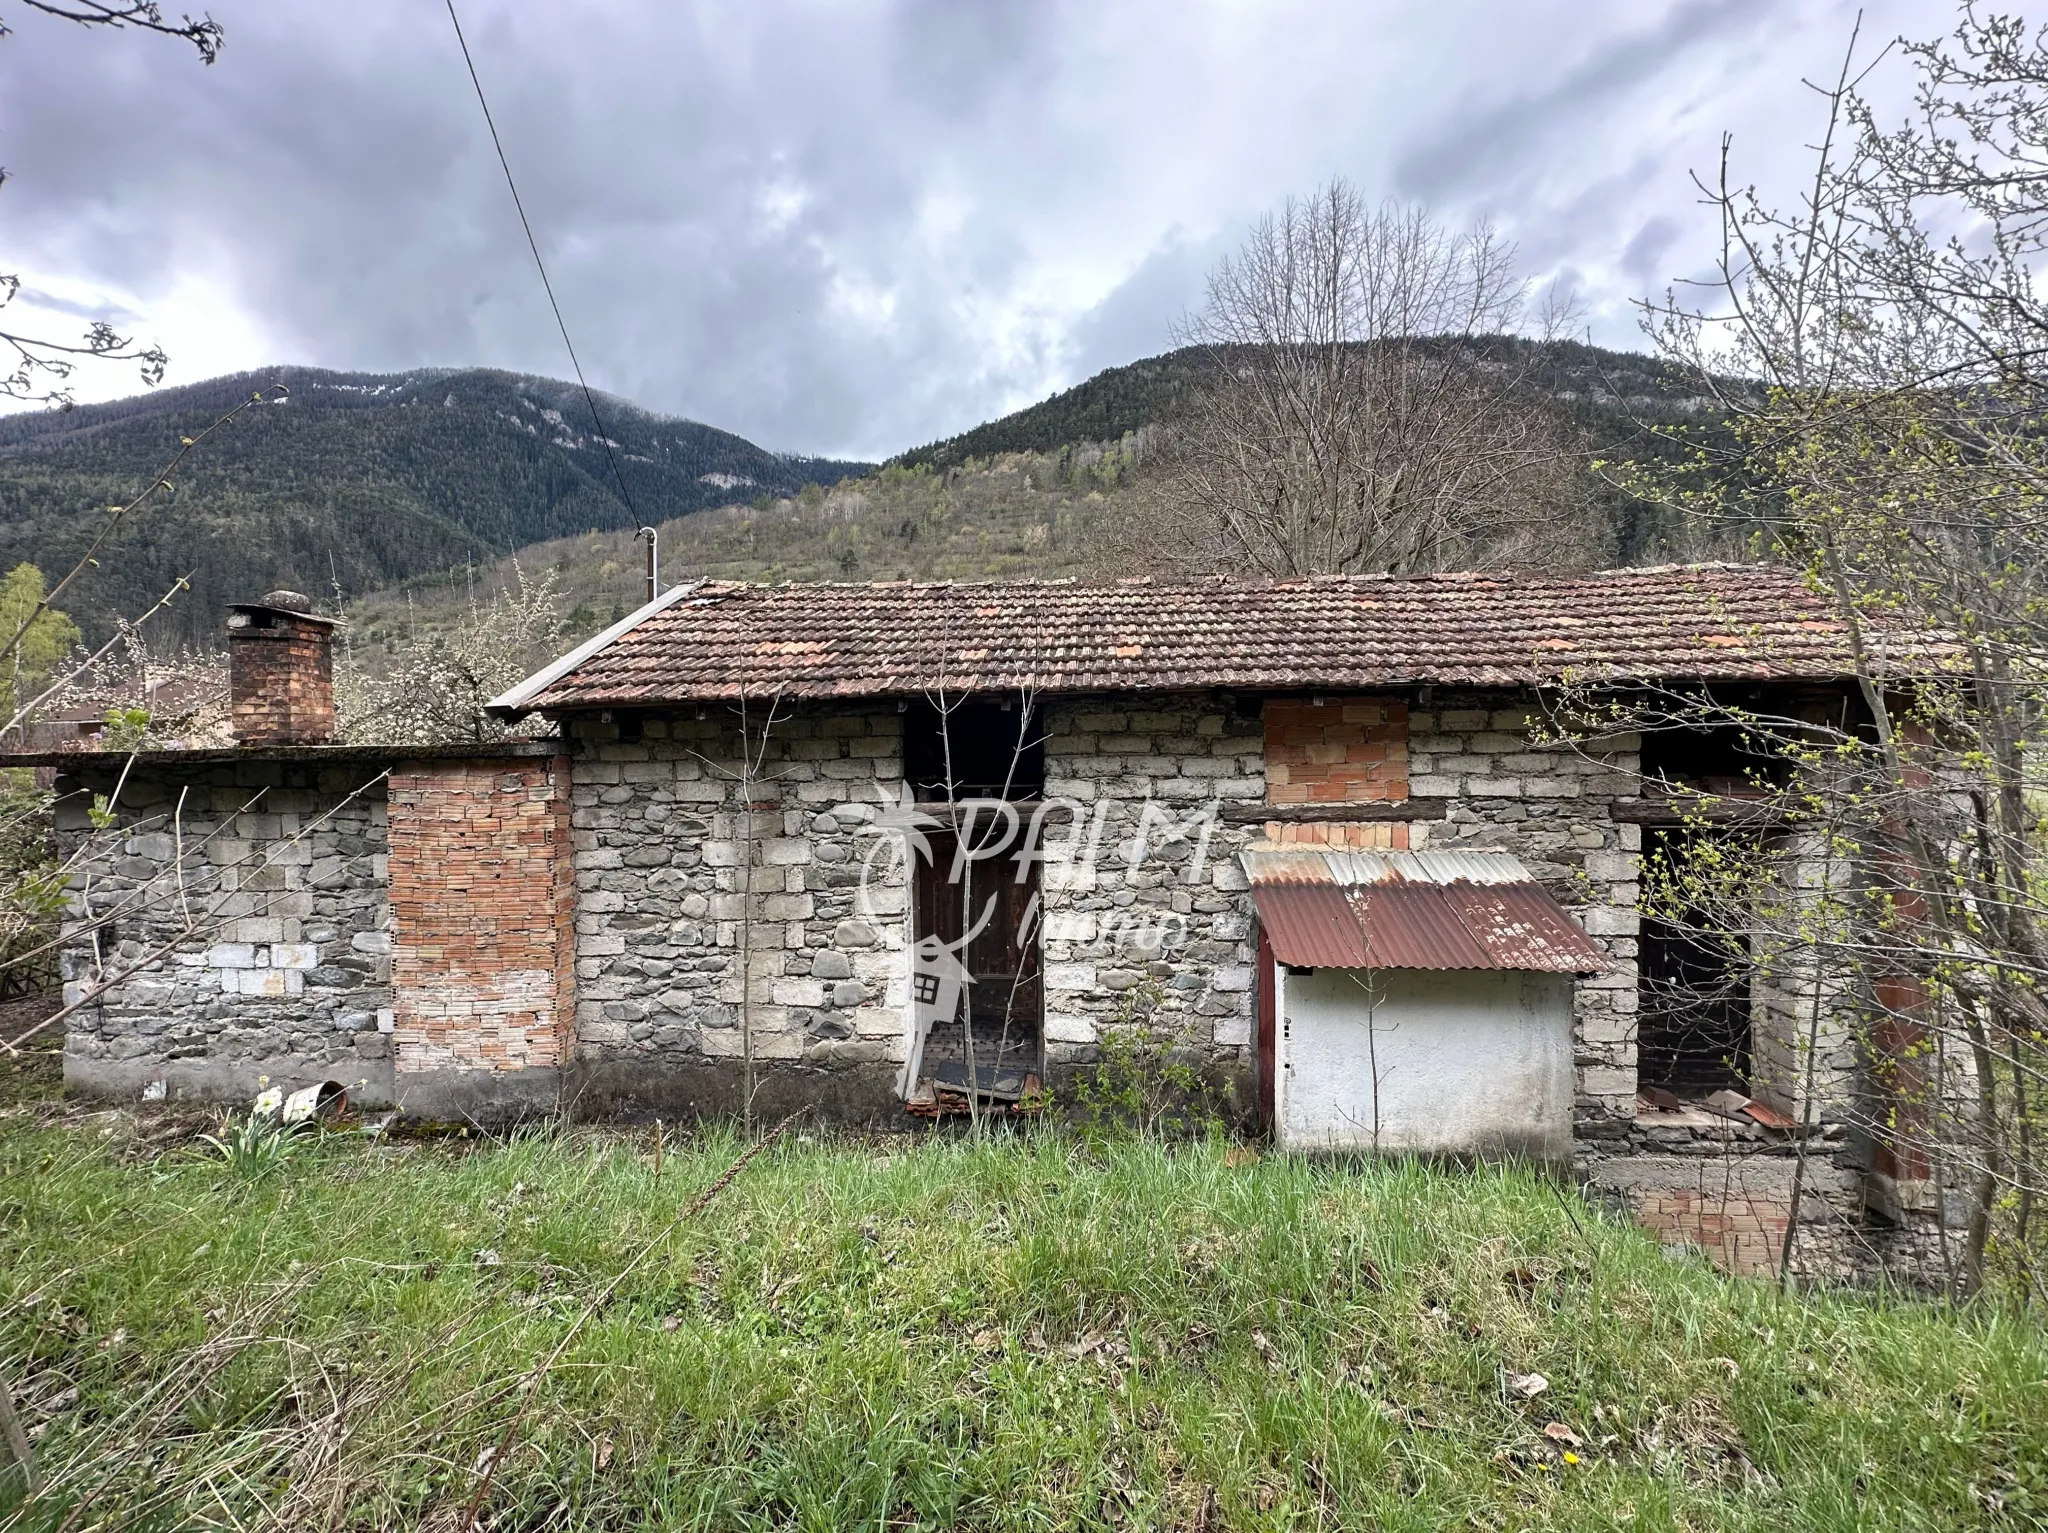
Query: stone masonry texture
point(718, 892)
point(248, 900)
point(1548, 805)
point(712, 881)
point(672, 894)
point(482, 901)
point(1147, 914)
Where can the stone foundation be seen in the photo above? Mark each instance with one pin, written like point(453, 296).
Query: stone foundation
point(1724, 1188)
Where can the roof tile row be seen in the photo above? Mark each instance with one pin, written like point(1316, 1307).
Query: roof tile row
point(726, 640)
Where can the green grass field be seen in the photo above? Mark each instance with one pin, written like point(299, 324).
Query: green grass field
point(1039, 1331)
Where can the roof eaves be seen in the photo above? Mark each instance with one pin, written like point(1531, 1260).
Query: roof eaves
point(173, 757)
point(512, 703)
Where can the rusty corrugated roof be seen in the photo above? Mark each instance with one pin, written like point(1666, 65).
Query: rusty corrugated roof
point(1413, 910)
point(1412, 926)
point(726, 640)
point(1311, 925)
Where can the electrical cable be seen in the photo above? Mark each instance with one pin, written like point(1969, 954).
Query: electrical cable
point(540, 265)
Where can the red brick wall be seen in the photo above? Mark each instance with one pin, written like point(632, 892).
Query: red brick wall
point(482, 915)
point(1342, 750)
point(281, 682)
point(1382, 836)
point(1739, 1232)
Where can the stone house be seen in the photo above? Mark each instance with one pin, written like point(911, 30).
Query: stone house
point(895, 848)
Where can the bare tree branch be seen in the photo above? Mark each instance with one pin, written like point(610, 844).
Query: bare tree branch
point(1364, 408)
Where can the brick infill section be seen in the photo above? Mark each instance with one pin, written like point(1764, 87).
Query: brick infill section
point(483, 918)
point(1344, 750)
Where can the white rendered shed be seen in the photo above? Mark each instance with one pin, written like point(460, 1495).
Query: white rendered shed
point(1416, 1003)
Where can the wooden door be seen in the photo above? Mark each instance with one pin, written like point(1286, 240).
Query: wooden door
point(992, 906)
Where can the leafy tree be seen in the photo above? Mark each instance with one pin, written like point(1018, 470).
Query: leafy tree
point(1892, 440)
point(47, 637)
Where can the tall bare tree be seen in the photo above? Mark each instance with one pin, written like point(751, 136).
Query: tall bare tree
point(1364, 409)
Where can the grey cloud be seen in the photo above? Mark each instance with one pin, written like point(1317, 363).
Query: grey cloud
point(1482, 144)
point(92, 313)
point(954, 56)
point(831, 228)
point(1643, 256)
point(1592, 222)
point(1138, 317)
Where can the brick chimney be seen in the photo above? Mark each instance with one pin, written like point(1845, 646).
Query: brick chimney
point(281, 671)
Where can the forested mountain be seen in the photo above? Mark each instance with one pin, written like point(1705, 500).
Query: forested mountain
point(1614, 398)
point(351, 479)
point(1607, 392)
point(428, 481)
point(1033, 494)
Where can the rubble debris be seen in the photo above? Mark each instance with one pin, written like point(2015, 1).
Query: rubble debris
point(312, 1104)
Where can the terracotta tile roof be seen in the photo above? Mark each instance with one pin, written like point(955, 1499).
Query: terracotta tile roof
point(720, 640)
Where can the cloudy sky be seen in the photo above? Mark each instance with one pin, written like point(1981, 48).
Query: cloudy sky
point(849, 227)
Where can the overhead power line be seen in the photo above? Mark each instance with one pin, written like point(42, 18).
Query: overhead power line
point(541, 266)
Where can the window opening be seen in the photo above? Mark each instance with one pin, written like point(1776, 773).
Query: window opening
point(1727, 759)
point(993, 750)
point(1693, 1020)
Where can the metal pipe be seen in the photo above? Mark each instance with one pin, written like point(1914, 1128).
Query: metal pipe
point(653, 561)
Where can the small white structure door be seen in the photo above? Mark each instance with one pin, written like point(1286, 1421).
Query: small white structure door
point(1437, 1062)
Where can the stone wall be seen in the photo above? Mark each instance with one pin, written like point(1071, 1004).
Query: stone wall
point(669, 828)
point(483, 912)
point(718, 906)
point(1549, 806)
point(1155, 928)
point(248, 902)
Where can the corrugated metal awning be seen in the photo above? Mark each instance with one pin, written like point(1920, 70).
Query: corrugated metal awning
point(1413, 910)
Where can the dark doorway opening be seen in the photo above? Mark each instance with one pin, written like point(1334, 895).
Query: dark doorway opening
point(1724, 758)
point(1693, 1011)
point(973, 749)
point(985, 911)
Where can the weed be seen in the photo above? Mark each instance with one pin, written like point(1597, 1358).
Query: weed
point(255, 1146)
point(1146, 1076)
point(1020, 1332)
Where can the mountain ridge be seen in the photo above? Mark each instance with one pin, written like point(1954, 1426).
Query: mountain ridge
point(1609, 393)
point(352, 480)
point(377, 485)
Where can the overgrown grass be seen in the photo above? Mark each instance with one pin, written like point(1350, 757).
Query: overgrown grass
point(1030, 1333)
